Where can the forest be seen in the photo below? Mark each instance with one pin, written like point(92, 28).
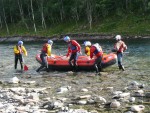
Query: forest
point(49, 17)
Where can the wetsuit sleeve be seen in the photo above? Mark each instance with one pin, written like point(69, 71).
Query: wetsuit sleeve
point(49, 50)
point(16, 51)
point(75, 43)
point(24, 51)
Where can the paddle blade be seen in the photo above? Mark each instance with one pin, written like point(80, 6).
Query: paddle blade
point(25, 68)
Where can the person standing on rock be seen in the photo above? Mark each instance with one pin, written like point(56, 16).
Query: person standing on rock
point(98, 52)
point(74, 49)
point(119, 48)
point(19, 49)
point(87, 45)
point(45, 52)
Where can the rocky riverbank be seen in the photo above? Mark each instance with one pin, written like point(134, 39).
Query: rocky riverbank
point(60, 37)
point(25, 94)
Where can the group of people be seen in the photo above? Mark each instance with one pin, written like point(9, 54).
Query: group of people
point(74, 49)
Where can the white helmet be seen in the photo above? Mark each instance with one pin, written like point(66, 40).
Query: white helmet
point(87, 43)
point(50, 42)
point(97, 45)
point(118, 37)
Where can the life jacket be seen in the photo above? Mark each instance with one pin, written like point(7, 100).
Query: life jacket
point(72, 47)
point(87, 50)
point(44, 49)
point(120, 46)
point(19, 49)
point(97, 50)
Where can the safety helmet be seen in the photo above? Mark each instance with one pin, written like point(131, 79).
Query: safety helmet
point(66, 39)
point(97, 44)
point(50, 42)
point(87, 43)
point(118, 37)
point(20, 42)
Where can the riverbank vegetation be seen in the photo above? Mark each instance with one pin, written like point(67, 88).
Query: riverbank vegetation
point(55, 17)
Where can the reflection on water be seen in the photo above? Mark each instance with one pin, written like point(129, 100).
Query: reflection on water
point(136, 62)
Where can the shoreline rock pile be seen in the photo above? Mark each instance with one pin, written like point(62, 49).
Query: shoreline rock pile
point(37, 100)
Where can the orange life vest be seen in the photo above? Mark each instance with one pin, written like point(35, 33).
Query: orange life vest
point(44, 49)
point(19, 49)
point(120, 46)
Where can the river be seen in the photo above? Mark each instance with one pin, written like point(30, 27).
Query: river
point(136, 61)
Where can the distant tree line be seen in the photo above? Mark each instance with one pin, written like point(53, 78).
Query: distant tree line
point(44, 13)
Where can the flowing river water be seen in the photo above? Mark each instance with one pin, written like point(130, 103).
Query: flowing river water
point(136, 61)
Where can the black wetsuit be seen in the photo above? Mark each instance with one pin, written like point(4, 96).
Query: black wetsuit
point(44, 63)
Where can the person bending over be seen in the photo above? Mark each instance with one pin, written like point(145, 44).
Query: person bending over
point(98, 52)
point(87, 45)
point(74, 49)
point(45, 52)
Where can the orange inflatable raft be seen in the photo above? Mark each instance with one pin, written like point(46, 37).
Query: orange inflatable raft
point(56, 62)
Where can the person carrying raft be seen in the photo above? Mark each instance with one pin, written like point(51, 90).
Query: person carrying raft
point(74, 49)
point(98, 52)
point(87, 45)
point(45, 52)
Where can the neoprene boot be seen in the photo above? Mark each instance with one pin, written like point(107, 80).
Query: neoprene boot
point(98, 74)
point(121, 67)
point(39, 68)
point(47, 69)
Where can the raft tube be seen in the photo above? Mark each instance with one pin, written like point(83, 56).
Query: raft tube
point(56, 62)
